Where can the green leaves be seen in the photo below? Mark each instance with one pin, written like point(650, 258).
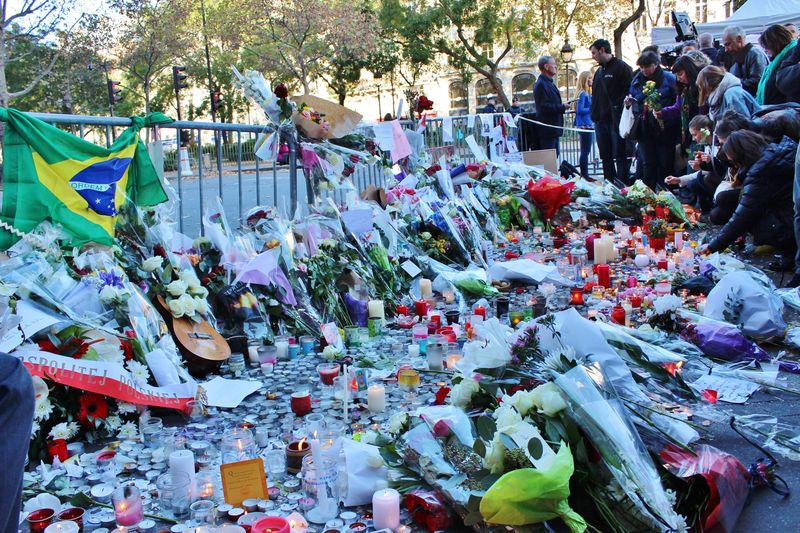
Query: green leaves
point(480, 448)
point(535, 448)
point(486, 427)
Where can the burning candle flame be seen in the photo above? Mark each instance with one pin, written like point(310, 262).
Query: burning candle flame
point(300, 444)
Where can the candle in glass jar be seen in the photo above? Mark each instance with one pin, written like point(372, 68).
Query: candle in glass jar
point(386, 509)
point(604, 275)
point(62, 527)
point(449, 296)
point(375, 309)
point(425, 288)
point(376, 398)
point(282, 348)
point(128, 509)
point(452, 360)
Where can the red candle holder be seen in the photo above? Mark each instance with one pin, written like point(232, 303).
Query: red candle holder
point(421, 308)
point(295, 452)
point(73, 514)
point(449, 333)
point(662, 264)
point(39, 519)
point(636, 301)
point(402, 310)
point(480, 310)
point(301, 403)
point(58, 448)
point(618, 315)
point(576, 296)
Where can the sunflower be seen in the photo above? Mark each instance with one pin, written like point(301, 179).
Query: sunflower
point(93, 406)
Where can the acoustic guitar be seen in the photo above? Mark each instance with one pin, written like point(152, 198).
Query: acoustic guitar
point(201, 346)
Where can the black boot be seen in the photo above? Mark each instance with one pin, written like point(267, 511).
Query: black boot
point(784, 264)
point(794, 282)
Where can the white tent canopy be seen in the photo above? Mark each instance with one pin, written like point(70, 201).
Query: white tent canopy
point(754, 16)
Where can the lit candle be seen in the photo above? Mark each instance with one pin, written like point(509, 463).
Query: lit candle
point(701, 304)
point(425, 288)
point(375, 309)
point(449, 296)
point(386, 509)
point(323, 501)
point(182, 461)
point(481, 311)
point(604, 275)
point(345, 396)
point(452, 359)
point(128, 509)
point(65, 526)
point(376, 398)
point(271, 524)
point(282, 347)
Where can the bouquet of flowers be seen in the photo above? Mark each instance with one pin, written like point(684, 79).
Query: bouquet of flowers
point(652, 99)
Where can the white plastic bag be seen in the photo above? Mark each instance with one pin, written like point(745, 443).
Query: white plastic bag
point(759, 312)
point(626, 122)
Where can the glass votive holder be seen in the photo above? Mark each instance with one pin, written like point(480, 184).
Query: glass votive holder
point(39, 519)
point(128, 510)
point(268, 355)
point(151, 432)
point(205, 484)
point(315, 424)
point(174, 493)
point(202, 513)
point(238, 444)
point(276, 459)
point(598, 291)
point(195, 410)
point(515, 317)
point(307, 344)
point(73, 514)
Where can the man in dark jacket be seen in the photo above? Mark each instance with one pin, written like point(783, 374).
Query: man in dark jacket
point(16, 419)
point(706, 41)
point(610, 86)
point(549, 108)
point(747, 61)
point(765, 207)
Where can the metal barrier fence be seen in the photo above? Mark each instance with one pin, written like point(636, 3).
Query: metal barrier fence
point(203, 171)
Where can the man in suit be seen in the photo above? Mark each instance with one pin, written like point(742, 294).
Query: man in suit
point(549, 108)
point(16, 419)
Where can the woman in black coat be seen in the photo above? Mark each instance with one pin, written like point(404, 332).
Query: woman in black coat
point(778, 44)
point(765, 207)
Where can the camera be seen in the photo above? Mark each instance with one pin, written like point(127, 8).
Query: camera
point(684, 26)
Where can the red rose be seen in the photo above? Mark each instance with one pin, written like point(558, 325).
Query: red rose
point(424, 104)
point(159, 251)
point(441, 428)
point(127, 349)
point(92, 407)
point(281, 91)
point(433, 169)
point(441, 395)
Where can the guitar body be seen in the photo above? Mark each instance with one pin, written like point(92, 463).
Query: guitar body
point(201, 346)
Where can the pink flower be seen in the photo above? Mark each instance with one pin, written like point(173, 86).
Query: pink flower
point(441, 428)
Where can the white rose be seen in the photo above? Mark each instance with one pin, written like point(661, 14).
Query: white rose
point(397, 422)
point(198, 291)
point(374, 460)
point(176, 308)
point(201, 306)
point(507, 417)
point(547, 398)
point(329, 353)
point(666, 304)
point(521, 400)
point(176, 288)
point(462, 393)
point(495, 456)
point(188, 304)
point(108, 293)
point(190, 279)
point(152, 263)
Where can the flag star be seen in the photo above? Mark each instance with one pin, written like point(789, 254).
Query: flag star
point(97, 201)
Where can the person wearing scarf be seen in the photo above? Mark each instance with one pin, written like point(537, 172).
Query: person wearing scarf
point(778, 43)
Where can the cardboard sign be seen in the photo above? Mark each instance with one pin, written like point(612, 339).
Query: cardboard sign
point(544, 158)
point(243, 480)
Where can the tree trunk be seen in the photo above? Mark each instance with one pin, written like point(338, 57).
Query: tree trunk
point(620, 30)
point(146, 96)
point(497, 85)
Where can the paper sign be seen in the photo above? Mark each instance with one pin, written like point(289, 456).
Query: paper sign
point(731, 390)
point(447, 129)
point(384, 136)
point(11, 339)
point(401, 147)
point(497, 144)
point(487, 121)
point(229, 393)
point(244, 480)
point(411, 268)
point(358, 220)
point(470, 121)
point(400, 108)
point(266, 147)
point(476, 150)
point(509, 120)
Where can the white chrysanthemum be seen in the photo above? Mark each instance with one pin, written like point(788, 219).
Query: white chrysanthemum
point(139, 372)
point(667, 304)
point(152, 263)
point(125, 407)
point(108, 348)
point(188, 304)
point(35, 429)
point(201, 306)
point(43, 410)
point(176, 288)
point(176, 307)
point(128, 430)
point(547, 398)
point(462, 393)
point(113, 422)
point(495, 456)
point(64, 430)
point(507, 417)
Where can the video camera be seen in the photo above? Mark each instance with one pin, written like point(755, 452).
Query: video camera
point(684, 26)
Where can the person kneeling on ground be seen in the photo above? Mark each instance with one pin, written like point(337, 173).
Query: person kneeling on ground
point(765, 206)
point(701, 184)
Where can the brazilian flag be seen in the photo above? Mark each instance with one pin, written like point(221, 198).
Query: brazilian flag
point(49, 174)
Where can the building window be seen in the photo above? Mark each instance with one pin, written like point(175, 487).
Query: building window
point(701, 11)
point(522, 88)
point(459, 103)
point(483, 88)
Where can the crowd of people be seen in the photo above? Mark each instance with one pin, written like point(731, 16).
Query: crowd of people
point(719, 126)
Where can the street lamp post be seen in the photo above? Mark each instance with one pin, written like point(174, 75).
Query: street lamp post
point(566, 58)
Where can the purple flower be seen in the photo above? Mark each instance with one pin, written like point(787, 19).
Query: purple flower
point(112, 279)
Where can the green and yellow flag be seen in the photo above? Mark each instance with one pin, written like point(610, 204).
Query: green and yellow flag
point(49, 174)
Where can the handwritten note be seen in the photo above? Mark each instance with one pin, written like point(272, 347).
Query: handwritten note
point(731, 390)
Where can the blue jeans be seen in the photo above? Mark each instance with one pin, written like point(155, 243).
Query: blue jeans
point(587, 140)
point(796, 198)
point(16, 419)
